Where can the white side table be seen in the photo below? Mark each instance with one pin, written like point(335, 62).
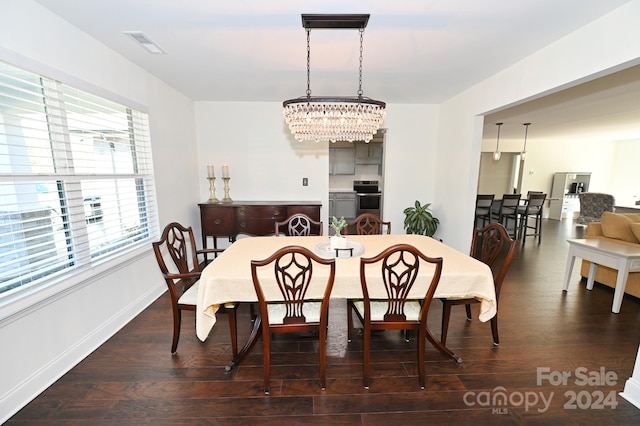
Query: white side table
point(602, 252)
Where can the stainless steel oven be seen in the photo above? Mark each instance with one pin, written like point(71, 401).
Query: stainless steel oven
point(368, 197)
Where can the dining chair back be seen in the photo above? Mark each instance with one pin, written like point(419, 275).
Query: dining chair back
point(532, 209)
point(483, 208)
point(298, 224)
point(508, 209)
point(492, 246)
point(290, 274)
point(396, 268)
point(369, 224)
point(178, 260)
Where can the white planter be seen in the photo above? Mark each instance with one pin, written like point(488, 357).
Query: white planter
point(337, 242)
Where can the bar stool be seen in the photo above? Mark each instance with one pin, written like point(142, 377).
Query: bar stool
point(532, 209)
point(483, 209)
point(508, 209)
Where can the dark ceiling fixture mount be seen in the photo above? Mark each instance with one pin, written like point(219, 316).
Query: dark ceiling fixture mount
point(335, 118)
point(523, 154)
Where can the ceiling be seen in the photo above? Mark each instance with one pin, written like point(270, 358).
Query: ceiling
point(415, 51)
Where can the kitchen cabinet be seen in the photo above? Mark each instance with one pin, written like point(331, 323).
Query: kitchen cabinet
point(368, 153)
point(342, 204)
point(564, 201)
point(342, 160)
point(249, 217)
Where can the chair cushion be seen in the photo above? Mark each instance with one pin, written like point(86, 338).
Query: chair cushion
point(277, 311)
point(190, 297)
point(378, 309)
point(618, 226)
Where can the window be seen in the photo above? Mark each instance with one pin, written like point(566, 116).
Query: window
point(76, 179)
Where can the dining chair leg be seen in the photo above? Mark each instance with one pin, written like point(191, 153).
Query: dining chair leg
point(422, 337)
point(446, 313)
point(323, 356)
point(467, 308)
point(233, 330)
point(494, 329)
point(349, 321)
point(366, 353)
point(266, 351)
point(177, 320)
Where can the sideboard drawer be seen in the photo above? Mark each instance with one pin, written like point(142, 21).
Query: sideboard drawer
point(217, 221)
point(259, 220)
point(262, 212)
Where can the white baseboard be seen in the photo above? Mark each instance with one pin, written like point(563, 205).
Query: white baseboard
point(632, 392)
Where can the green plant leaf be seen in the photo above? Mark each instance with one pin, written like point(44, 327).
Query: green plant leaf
point(419, 219)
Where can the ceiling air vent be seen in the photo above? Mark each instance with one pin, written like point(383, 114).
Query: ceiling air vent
point(144, 41)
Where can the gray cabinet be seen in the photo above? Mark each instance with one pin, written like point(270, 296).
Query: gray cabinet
point(342, 161)
point(342, 204)
point(368, 153)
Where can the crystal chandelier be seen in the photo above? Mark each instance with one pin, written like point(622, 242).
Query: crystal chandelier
point(335, 118)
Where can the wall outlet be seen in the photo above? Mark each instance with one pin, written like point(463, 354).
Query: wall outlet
point(305, 181)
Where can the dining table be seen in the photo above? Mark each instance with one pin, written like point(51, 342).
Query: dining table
point(228, 278)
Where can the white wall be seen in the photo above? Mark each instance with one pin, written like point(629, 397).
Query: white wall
point(41, 342)
point(550, 156)
point(606, 45)
point(625, 176)
point(266, 163)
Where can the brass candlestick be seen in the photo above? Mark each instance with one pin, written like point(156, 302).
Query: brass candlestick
point(226, 198)
point(212, 190)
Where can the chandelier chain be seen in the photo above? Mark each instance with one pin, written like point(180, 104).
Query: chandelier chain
point(308, 62)
point(360, 70)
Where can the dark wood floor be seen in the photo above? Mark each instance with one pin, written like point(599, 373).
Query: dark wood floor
point(133, 379)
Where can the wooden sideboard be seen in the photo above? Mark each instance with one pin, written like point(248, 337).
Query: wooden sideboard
point(249, 217)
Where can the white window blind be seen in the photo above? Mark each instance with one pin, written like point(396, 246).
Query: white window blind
point(76, 179)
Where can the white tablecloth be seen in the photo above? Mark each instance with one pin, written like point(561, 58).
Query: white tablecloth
point(228, 278)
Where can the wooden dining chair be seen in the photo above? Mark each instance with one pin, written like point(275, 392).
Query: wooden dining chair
point(369, 224)
point(293, 267)
point(396, 269)
point(493, 246)
point(178, 260)
point(298, 224)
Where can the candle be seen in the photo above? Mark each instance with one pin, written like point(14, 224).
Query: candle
point(225, 171)
point(211, 171)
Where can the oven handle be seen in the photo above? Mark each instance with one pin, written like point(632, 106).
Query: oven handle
point(369, 194)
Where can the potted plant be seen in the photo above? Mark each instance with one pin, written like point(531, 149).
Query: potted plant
point(337, 240)
point(419, 220)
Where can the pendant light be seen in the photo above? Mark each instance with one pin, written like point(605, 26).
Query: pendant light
point(523, 154)
point(497, 153)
